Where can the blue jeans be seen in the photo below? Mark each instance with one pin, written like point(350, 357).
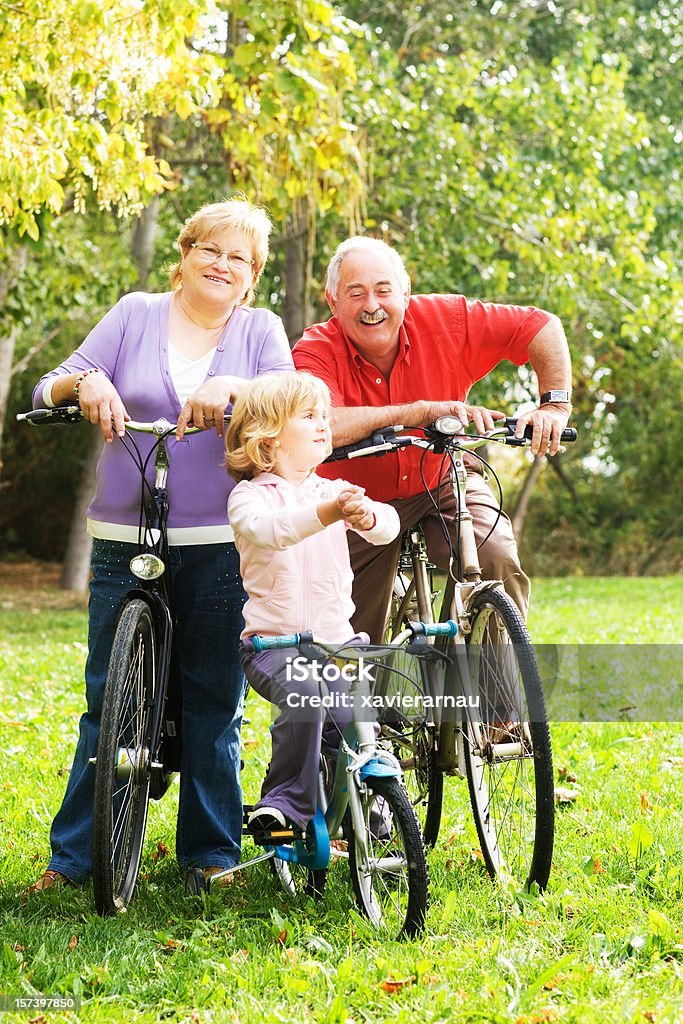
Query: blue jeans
point(208, 596)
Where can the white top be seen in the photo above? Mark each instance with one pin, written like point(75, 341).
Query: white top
point(188, 374)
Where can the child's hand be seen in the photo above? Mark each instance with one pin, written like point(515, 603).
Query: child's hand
point(356, 508)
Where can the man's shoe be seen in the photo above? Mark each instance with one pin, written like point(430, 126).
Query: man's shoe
point(47, 880)
point(217, 883)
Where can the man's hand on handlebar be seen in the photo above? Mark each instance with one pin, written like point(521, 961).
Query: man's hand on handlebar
point(548, 422)
point(100, 403)
point(483, 418)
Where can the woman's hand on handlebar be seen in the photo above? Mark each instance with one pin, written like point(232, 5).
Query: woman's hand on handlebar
point(548, 422)
point(205, 407)
point(101, 403)
point(483, 418)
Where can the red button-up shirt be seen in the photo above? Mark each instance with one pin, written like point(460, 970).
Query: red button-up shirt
point(446, 344)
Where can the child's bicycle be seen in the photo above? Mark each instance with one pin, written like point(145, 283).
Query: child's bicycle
point(486, 720)
point(361, 799)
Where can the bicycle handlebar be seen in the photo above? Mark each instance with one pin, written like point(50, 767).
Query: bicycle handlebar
point(446, 430)
point(569, 434)
point(272, 643)
point(73, 414)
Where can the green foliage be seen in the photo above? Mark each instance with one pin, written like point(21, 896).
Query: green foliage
point(79, 124)
point(517, 152)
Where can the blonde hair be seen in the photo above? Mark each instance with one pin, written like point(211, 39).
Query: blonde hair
point(236, 214)
point(260, 413)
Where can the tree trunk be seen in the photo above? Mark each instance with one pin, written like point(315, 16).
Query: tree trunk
point(294, 311)
point(8, 331)
point(298, 272)
point(142, 244)
point(522, 503)
point(6, 358)
point(76, 565)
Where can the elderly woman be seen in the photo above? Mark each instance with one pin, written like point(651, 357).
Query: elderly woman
point(183, 354)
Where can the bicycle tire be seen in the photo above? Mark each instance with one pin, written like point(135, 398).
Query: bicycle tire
point(124, 756)
point(512, 796)
point(393, 891)
point(296, 880)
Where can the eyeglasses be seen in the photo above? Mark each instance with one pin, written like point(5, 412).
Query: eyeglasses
point(209, 253)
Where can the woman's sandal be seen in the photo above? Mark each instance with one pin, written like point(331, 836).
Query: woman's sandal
point(47, 880)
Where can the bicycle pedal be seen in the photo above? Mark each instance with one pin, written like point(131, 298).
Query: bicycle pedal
point(278, 837)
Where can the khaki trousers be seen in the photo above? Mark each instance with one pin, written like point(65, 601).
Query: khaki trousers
point(375, 567)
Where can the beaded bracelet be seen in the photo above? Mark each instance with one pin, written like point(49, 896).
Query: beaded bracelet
point(81, 377)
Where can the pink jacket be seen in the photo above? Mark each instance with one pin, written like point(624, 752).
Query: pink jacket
point(297, 572)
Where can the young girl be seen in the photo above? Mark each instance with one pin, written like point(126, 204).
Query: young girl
point(290, 530)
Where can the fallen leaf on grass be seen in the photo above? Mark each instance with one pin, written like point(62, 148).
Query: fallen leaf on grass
point(38, 1020)
point(161, 851)
point(396, 984)
point(567, 775)
point(282, 937)
point(645, 804)
point(73, 942)
point(553, 982)
point(650, 1015)
point(563, 795)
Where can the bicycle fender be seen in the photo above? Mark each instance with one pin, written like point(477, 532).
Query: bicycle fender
point(379, 769)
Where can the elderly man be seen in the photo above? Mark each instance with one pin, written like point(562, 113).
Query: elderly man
point(389, 357)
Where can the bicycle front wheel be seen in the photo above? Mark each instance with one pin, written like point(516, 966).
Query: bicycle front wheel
point(510, 773)
point(124, 756)
point(390, 884)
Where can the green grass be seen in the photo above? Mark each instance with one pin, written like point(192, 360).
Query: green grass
point(604, 944)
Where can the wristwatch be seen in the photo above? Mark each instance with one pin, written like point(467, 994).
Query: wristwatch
point(555, 396)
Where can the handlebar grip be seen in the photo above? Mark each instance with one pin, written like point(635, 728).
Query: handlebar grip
point(271, 643)
point(568, 434)
point(448, 628)
point(59, 414)
point(381, 437)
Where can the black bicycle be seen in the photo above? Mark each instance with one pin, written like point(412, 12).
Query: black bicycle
point(138, 751)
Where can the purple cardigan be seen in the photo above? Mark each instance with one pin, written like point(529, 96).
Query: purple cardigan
point(130, 344)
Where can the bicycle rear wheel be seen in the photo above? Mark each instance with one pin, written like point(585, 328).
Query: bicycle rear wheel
point(391, 887)
point(510, 776)
point(124, 756)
